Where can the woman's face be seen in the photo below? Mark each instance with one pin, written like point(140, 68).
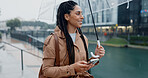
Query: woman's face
point(75, 17)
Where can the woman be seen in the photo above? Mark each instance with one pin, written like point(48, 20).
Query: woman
point(73, 52)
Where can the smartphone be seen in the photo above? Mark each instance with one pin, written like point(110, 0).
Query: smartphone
point(93, 61)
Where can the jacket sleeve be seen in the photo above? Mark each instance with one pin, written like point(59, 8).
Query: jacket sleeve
point(49, 69)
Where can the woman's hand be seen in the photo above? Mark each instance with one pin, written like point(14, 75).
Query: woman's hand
point(100, 51)
point(81, 66)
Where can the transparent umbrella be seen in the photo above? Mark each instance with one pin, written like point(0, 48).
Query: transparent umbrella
point(48, 9)
point(91, 8)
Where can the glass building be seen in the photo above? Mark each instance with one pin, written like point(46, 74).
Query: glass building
point(122, 16)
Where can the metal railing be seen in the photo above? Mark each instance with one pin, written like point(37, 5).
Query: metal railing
point(29, 38)
point(22, 50)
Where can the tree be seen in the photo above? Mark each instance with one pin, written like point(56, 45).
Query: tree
point(13, 23)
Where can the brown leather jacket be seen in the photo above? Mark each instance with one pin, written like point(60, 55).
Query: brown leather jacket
point(64, 70)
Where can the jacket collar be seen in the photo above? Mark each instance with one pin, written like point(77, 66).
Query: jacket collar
point(61, 34)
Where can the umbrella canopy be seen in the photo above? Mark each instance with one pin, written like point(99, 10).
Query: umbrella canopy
point(48, 8)
point(91, 9)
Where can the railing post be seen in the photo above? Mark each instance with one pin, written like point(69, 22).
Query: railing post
point(22, 59)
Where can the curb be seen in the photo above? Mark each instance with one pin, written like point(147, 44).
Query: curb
point(114, 45)
point(130, 46)
point(136, 46)
point(118, 45)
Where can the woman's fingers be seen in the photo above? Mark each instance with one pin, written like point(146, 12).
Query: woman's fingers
point(82, 62)
point(90, 66)
point(81, 66)
point(84, 65)
point(101, 55)
point(100, 51)
point(86, 69)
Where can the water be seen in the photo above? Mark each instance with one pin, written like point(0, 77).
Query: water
point(121, 63)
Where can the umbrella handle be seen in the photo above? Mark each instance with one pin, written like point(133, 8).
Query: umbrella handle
point(98, 43)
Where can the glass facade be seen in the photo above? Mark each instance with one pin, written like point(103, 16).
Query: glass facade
point(102, 12)
point(129, 17)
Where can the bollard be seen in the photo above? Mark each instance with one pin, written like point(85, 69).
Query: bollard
point(22, 59)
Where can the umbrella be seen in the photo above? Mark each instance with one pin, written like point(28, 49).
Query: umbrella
point(48, 9)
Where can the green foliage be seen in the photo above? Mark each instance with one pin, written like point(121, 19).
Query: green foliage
point(141, 40)
point(33, 23)
point(36, 23)
point(116, 41)
point(13, 23)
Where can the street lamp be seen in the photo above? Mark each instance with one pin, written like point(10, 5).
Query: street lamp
point(131, 21)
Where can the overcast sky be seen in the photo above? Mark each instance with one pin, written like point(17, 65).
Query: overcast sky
point(26, 9)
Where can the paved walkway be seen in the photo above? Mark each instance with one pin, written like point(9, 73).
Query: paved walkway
point(10, 60)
